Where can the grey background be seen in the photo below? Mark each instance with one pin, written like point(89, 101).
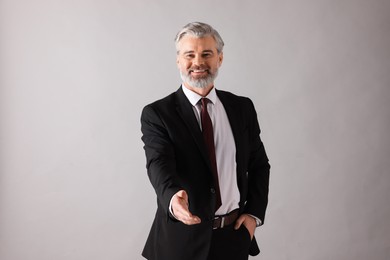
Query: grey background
point(76, 74)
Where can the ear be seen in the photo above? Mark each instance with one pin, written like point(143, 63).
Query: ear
point(220, 59)
point(177, 61)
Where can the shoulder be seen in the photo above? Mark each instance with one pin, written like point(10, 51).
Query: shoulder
point(166, 103)
point(229, 98)
point(164, 107)
point(163, 102)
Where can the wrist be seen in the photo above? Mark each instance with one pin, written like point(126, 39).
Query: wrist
point(257, 220)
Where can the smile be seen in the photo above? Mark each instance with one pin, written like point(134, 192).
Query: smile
point(198, 71)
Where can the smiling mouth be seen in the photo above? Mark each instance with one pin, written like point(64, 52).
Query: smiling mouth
point(199, 71)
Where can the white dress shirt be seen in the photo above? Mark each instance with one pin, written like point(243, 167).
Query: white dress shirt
point(225, 148)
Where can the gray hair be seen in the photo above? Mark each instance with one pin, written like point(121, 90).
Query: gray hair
point(199, 30)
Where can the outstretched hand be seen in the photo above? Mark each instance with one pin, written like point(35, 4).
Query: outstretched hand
point(180, 209)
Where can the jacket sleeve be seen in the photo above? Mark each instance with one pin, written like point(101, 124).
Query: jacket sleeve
point(160, 156)
point(258, 169)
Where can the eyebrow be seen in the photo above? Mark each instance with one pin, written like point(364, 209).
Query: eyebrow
point(205, 51)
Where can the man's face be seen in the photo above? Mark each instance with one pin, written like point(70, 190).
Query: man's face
point(198, 61)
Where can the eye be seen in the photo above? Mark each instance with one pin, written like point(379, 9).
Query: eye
point(189, 56)
point(207, 55)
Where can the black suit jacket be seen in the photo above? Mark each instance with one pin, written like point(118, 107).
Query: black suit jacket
point(177, 160)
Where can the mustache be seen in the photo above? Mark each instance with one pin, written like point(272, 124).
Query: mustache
point(206, 68)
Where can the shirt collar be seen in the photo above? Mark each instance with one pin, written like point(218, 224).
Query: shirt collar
point(195, 97)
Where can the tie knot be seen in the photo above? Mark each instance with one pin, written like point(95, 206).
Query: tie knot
point(204, 102)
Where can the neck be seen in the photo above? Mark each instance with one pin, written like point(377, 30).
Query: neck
point(200, 91)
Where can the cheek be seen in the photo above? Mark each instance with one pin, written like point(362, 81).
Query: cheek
point(215, 65)
point(182, 68)
point(182, 65)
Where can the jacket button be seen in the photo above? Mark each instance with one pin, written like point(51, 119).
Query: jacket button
point(212, 190)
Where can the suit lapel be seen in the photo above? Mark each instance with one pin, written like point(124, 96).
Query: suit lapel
point(235, 120)
point(186, 112)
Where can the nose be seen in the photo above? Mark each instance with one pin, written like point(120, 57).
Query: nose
point(198, 60)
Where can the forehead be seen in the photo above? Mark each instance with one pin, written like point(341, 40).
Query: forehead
point(195, 44)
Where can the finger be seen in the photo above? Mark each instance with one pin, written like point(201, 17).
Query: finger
point(239, 222)
point(182, 194)
point(187, 218)
point(250, 224)
point(191, 220)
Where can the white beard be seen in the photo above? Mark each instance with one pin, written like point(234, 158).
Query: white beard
point(201, 82)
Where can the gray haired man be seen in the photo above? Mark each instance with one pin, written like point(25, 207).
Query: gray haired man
point(205, 160)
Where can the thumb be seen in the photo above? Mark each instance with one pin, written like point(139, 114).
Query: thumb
point(239, 222)
point(183, 194)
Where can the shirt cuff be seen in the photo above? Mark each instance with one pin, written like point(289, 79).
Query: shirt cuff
point(258, 221)
point(170, 209)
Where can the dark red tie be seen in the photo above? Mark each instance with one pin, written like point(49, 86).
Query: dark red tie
point(208, 136)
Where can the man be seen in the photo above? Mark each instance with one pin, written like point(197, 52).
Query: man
point(205, 161)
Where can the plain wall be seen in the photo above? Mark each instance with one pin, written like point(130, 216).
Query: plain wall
point(75, 75)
